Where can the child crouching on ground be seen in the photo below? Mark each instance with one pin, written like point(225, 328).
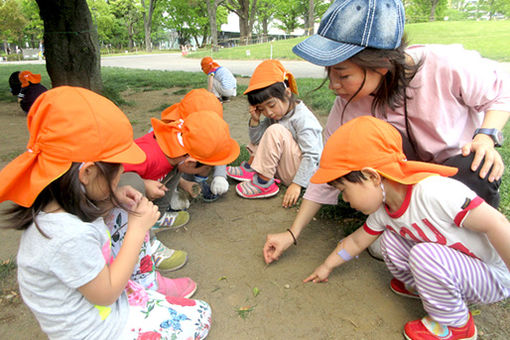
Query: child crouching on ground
point(63, 185)
point(442, 242)
point(197, 100)
point(287, 144)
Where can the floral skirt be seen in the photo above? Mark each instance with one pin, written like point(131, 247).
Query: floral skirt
point(167, 318)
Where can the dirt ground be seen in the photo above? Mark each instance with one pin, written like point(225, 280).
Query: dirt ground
point(224, 241)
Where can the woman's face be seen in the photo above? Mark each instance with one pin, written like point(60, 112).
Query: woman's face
point(346, 78)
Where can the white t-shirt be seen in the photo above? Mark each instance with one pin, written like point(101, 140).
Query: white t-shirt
point(51, 269)
point(434, 211)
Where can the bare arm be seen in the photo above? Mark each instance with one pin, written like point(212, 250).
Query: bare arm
point(353, 245)
point(486, 219)
point(107, 286)
point(210, 82)
point(276, 244)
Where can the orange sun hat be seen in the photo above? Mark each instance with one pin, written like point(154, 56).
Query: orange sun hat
point(208, 64)
point(66, 125)
point(270, 72)
point(370, 142)
point(203, 135)
point(27, 77)
point(195, 100)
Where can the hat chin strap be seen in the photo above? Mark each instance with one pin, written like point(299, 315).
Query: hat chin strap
point(383, 192)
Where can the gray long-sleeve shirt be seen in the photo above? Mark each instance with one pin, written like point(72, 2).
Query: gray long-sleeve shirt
point(306, 131)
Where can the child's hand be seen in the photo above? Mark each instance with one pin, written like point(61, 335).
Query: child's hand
point(128, 196)
point(144, 216)
point(255, 114)
point(320, 274)
point(219, 185)
point(291, 195)
point(275, 245)
point(154, 189)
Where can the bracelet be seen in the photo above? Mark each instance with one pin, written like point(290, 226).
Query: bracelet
point(293, 237)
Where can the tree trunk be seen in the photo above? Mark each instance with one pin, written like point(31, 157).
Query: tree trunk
point(212, 5)
point(311, 17)
point(70, 44)
point(432, 16)
point(147, 23)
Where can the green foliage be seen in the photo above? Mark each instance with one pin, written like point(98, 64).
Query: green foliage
point(13, 21)
point(421, 10)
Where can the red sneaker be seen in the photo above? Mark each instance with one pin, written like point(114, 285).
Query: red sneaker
point(400, 288)
point(427, 329)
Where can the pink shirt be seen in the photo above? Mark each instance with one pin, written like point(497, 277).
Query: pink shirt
point(156, 166)
point(449, 95)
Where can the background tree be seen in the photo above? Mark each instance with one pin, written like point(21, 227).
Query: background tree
point(147, 11)
point(265, 14)
point(188, 18)
point(212, 8)
point(12, 23)
point(245, 10)
point(33, 29)
point(128, 14)
point(71, 44)
point(288, 13)
point(425, 10)
point(493, 7)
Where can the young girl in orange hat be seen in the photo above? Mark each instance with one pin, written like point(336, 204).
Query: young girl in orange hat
point(441, 241)
point(63, 185)
point(220, 80)
point(286, 144)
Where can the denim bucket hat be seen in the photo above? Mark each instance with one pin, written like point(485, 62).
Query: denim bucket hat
point(349, 26)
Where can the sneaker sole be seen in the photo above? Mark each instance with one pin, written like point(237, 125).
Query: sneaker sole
point(474, 337)
point(258, 196)
point(240, 179)
point(411, 296)
point(190, 294)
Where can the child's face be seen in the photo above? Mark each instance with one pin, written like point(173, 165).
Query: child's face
point(97, 189)
point(365, 196)
point(273, 108)
point(346, 78)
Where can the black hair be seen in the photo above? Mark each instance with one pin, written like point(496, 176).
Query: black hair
point(68, 192)
point(14, 83)
point(276, 90)
point(392, 89)
point(353, 177)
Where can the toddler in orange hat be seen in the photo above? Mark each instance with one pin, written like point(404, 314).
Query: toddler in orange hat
point(441, 242)
point(27, 87)
point(62, 186)
point(286, 144)
point(220, 81)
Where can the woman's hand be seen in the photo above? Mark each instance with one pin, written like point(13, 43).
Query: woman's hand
point(275, 245)
point(154, 189)
point(320, 274)
point(483, 147)
point(291, 195)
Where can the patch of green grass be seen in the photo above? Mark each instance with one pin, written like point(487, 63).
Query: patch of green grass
point(490, 38)
point(7, 267)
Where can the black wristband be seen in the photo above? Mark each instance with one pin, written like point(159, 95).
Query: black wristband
point(293, 237)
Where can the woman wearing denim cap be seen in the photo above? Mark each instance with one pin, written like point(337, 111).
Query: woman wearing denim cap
point(447, 110)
